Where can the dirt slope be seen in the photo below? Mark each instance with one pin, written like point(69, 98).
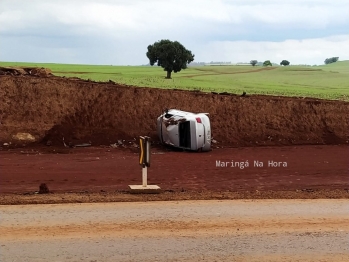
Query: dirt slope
point(49, 108)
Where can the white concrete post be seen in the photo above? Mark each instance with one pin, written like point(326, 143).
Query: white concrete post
point(144, 176)
point(144, 161)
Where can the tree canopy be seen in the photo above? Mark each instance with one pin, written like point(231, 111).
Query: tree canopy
point(253, 62)
point(284, 63)
point(267, 63)
point(172, 56)
point(331, 60)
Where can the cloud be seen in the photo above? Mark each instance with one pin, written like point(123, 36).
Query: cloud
point(307, 51)
point(90, 30)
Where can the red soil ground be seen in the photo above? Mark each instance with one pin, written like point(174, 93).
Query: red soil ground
point(310, 135)
point(109, 169)
point(50, 108)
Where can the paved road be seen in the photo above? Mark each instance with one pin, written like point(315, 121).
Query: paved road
point(234, 230)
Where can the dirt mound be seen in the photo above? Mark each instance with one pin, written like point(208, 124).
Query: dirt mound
point(26, 71)
point(103, 113)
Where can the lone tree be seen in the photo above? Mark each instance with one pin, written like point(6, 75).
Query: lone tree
point(267, 63)
point(331, 60)
point(171, 56)
point(253, 62)
point(284, 63)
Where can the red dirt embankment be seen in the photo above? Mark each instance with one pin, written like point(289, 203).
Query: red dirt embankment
point(50, 108)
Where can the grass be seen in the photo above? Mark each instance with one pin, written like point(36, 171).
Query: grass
point(325, 82)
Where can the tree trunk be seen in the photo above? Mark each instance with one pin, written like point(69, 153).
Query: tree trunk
point(168, 74)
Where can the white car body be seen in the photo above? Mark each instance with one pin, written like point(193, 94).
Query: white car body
point(185, 130)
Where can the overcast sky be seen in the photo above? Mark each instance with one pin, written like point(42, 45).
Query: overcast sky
point(117, 32)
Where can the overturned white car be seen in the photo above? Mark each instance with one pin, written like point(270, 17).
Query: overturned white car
point(185, 130)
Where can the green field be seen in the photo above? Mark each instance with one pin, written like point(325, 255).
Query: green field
point(326, 82)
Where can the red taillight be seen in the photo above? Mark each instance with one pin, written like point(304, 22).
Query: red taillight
point(198, 119)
